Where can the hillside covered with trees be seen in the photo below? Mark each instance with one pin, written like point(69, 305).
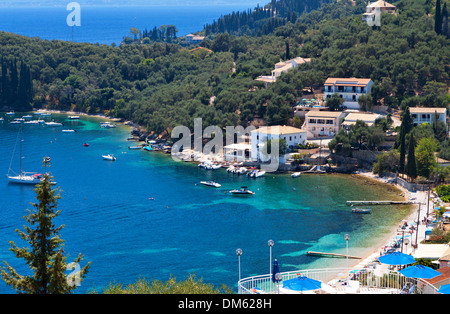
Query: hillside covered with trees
point(160, 85)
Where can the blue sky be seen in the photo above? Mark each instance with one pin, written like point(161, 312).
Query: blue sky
point(29, 3)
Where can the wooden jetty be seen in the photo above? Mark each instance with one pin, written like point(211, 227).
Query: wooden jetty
point(323, 254)
point(380, 203)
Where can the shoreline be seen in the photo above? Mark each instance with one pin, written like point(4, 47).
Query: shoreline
point(412, 216)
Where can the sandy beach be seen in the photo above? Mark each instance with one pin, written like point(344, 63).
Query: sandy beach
point(418, 197)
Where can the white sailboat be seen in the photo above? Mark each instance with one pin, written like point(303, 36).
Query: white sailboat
point(23, 177)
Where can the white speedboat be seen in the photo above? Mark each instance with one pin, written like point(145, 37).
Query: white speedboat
point(107, 124)
point(211, 183)
point(69, 131)
point(73, 117)
point(259, 173)
point(242, 191)
point(242, 170)
point(216, 166)
point(109, 157)
point(296, 174)
point(52, 123)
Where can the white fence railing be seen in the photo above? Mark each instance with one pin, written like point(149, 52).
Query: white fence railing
point(369, 280)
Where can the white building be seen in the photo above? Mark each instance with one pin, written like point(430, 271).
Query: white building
point(259, 137)
point(282, 67)
point(428, 115)
point(348, 88)
point(323, 123)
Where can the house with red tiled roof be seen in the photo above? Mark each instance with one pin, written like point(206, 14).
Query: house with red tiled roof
point(348, 88)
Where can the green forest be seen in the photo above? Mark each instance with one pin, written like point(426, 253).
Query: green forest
point(161, 84)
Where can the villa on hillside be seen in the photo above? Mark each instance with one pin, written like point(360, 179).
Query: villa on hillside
point(282, 67)
point(323, 123)
point(381, 5)
point(194, 39)
point(428, 115)
point(259, 138)
point(348, 88)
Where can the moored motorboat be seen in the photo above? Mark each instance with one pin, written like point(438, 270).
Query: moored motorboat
point(109, 157)
point(211, 183)
point(52, 123)
point(259, 173)
point(86, 145)
point(73, 117)
point(357, 210)
point(68, 131)
point(242, 191)
point(134, 147)
point(296, 174)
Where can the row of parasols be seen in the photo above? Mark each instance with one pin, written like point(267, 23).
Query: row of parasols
point(303, 283)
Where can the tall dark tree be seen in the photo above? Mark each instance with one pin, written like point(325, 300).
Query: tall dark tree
point(405, 128)
point(445, 21)
point(411, 168)
point(45, 257)
point(438, 18)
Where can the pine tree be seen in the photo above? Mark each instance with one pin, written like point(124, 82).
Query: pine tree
point(405, 128)
point(438, 18)
point(411, 168)
point(46, 257)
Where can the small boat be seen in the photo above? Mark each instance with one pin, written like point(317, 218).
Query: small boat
point(242, 191)
point(216, 166)
point(134, 147)
point(86, 145)
point(107, 124)
point(241, 170)
point(109, 157)
point(296, 174)
point(73, 117)
point(68, 131)
point(211, 183)
point(357, 210)
point(27, 117)
point(16, 122)
point(259, 173)
point(52, 123)
point(11, 113)
point(149, 148)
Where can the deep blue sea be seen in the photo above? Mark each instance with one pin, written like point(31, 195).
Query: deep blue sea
point(187, 228)
point(107, 25)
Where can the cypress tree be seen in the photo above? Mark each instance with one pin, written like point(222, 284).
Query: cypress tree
point(445, 21)
point(438, 18)
point(46, 257)
point(411, 169)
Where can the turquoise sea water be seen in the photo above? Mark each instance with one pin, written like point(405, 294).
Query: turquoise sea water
point(187, 228)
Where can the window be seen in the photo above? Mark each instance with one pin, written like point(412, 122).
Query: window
point(312, 120)
point(329, 121)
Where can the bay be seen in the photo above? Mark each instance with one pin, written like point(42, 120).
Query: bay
point(186, 228)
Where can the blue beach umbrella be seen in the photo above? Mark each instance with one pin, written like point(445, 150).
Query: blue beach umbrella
point(419, 271)
point(445, 289)
point(396, 258)
point(276, 270)
point(302, 283)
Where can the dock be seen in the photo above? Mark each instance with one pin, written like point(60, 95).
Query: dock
point(323, 254)
point(349, 203)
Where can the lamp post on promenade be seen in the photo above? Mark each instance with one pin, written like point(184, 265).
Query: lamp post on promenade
point(270, 243)
point(239, 253)
point(346, 238)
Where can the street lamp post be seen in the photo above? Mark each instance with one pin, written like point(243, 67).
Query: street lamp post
point(239, 253)
point(346, 238)
point(270, 243)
